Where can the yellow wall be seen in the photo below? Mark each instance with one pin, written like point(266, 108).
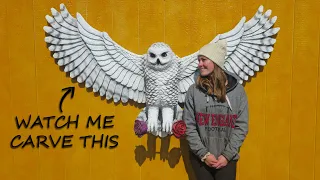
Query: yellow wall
point(284, 138)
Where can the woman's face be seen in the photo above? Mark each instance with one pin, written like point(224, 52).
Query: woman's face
point(205, 65)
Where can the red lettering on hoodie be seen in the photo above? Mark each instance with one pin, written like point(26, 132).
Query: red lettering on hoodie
point(234, 118)
point(221, 120)
point(200, 119)
point(214, 120)
point(228, 120)
point(206, 119)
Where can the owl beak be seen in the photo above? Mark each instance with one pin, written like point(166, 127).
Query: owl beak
point(158, 62)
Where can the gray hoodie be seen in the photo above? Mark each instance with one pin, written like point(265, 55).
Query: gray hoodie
point(215, 127)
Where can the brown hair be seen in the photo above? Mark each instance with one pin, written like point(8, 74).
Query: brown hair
point(214, 83)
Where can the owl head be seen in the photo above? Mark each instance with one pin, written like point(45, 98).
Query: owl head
point(159, 56)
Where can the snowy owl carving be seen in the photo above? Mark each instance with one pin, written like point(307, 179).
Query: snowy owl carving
point(159, 79)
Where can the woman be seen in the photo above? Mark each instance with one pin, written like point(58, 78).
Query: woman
point(216, 115)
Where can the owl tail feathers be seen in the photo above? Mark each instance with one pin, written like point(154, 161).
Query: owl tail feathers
point(141, 123)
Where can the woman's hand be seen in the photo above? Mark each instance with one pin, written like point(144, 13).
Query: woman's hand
point(211, 160)
point(222, 162)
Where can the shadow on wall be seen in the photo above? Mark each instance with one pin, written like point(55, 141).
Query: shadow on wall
point(173, 156)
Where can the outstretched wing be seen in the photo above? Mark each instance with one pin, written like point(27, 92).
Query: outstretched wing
point(188, 74)
point(93, 58)
point(249, 45)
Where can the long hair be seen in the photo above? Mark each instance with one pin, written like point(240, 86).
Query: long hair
point(214, 83)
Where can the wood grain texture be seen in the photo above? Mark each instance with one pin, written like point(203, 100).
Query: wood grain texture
point(304, 93)
point(317, 138)
point(278, 103)
point(8, 129)
point(22, 82)
point(283, 140)
point(253, 150)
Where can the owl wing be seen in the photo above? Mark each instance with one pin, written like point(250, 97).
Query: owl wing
point(188, 74)
point(249, 45)
point(93, 58)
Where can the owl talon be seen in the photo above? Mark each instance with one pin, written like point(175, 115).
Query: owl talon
point(167, 126)
point(153, 119)
point(152, 125)
point(167, 114)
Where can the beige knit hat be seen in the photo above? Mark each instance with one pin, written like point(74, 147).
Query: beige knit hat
point(216, 52)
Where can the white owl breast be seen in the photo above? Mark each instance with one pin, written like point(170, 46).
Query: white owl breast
point(162, 86)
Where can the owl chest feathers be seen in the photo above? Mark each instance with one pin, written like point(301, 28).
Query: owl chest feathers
point(162, 86)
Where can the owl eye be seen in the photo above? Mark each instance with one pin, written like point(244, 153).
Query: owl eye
point(164, 54)
point(152, 55)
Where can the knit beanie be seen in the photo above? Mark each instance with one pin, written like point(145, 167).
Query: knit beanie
point(216, 52)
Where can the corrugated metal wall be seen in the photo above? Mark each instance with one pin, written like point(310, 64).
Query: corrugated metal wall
point(283, 142)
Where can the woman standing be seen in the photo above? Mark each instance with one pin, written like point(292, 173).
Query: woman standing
point(216, 115)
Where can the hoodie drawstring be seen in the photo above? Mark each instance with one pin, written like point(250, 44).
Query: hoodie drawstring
point(228, 102)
